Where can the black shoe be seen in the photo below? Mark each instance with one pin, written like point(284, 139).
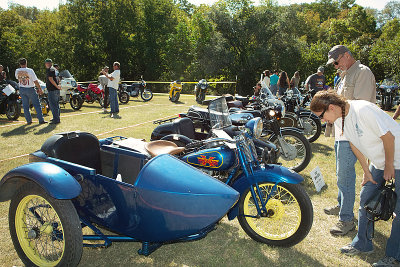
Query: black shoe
point(54, 122)
point(43, 122)
point(28, 123)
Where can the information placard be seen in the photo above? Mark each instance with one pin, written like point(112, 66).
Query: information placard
point(317, 178)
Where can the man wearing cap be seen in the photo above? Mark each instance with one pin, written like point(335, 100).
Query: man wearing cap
point(316, 81)
point(53, 91)
point(27, 80)
point(357, 82)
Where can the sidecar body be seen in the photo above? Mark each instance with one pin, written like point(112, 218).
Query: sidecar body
point(120, 188)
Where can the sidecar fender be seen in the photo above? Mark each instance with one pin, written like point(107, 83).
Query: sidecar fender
point(271, 173)
point(57, 182)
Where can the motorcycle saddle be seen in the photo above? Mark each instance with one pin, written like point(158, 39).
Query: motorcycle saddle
point(160, 147)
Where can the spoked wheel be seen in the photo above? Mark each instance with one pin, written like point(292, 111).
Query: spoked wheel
point(294, 148)
point(288, 217)
point(13, 110)
point(45, 231)
point(311, 126)
point(146, 95)
point(123, 97)
point(76, 102)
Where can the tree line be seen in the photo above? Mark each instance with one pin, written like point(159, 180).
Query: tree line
point(173, 39)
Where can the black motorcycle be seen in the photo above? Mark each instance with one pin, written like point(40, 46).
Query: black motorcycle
point(136, 89)
point(299, 117)
point(387, 94)
point(201, 90)
point(10, 102)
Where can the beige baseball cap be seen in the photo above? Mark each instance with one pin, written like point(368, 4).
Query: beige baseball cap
point(335, 52)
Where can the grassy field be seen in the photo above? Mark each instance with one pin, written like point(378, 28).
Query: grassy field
point(226, 246)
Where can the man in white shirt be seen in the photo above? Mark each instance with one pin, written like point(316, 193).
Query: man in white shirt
point(27, 80)
point(113, 83)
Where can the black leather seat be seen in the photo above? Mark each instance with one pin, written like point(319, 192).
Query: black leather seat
point(77, 147)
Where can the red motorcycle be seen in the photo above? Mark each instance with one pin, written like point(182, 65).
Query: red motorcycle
point(89, 94)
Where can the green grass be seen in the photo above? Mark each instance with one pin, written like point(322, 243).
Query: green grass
point(228, 245)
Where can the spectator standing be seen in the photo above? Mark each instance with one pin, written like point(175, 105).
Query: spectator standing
point(374, 135)
point(283, 83)
point(112, 85)
point(316, 82)
point(27, 80)
point(265, 81)
point(294, 82)
point(357, 83)
point(274, 82)
point(104, 82)
point(53, 89)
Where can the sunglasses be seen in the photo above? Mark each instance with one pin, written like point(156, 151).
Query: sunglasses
point(322, 114)
point(337, 61)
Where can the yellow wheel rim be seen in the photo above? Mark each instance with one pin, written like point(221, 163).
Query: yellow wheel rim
point(39, 231)
point(284, 213)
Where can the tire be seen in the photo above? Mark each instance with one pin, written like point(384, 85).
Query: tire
point(290, 219)
point(200, 97)
point(123, 97)
point(146, 95)
point(76, 102)
point(44, 104)
point(175, 97)
point(388, 105)
point(303, 150)
point(13, 110)
point(290, 120)
point(59, 231)
point(315, 124)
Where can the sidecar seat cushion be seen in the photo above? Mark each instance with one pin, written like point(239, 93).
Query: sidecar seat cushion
point(159, 147)
point(77, 147)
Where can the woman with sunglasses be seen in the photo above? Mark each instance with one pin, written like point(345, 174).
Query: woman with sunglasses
point(358, 82)
point(372, 134)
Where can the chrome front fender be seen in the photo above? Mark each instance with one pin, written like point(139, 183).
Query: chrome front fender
point(271, 173)
point(57, 182)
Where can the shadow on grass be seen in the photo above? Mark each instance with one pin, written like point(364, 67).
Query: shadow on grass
point(226, 246)
point(20, 130)
point(49, 128)
point(321, 149)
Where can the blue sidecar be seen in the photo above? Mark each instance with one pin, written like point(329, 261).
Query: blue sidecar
point(78, 181)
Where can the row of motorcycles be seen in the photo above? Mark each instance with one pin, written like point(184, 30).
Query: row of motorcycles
point(200, 89)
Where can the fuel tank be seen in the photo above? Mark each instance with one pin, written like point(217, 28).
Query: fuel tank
point(218, 159)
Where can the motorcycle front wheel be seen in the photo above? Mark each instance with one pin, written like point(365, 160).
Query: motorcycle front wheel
point(288, 217)
point(294, 149)
point(312, 127)
point(13, 110)
point(146, 95)
point(76, 102)
point(45, 231)
point(123, 97)
point(175, 97)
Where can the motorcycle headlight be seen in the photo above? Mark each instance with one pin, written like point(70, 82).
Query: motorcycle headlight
point(388, 90)
point(255, 127)
point(272, 113)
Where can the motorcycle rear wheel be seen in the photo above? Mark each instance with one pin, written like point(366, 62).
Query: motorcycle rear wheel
point(13, 110)
point(146, 95)
point(45, 231)
point(76, 102)
point(289, 215)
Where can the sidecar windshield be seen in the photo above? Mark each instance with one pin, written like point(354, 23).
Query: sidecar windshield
point(65, 74)
point(219, 113)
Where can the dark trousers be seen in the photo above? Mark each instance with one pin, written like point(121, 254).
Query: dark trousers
point(106, 96)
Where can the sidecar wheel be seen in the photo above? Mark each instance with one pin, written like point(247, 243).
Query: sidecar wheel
point(45, 231)
point(289, 219)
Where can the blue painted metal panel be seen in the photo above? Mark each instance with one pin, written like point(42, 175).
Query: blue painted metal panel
point(57, 182)
point(219, 158)
point(271, 173)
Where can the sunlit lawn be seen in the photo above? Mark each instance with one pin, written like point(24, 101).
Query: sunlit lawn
point(226, 246)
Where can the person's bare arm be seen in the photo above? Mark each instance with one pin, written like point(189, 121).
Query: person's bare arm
point(397, 113)
point(108, 75)
point(54, 83)
point(367, 177)
point(38, 87)
point(388, 145)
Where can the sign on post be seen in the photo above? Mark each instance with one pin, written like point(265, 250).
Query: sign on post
point(317, 178)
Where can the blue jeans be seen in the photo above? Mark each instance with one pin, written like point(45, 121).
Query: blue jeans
point(282, 90)
point(274, 89)
point(28, 95)
point(114, 100)
point(346, 179)
point(54, 98)
point(363, 240)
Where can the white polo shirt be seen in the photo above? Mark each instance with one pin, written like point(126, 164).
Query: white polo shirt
point(114, 83)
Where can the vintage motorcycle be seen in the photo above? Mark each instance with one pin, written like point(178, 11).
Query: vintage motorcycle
point(299, 117)
point(387, 94)
point(139, 88)
point(201, 90)
point(76, 181)
point(175, 89)
point(89, 94)
point(10, 102)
